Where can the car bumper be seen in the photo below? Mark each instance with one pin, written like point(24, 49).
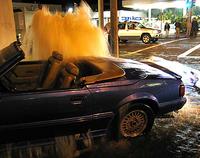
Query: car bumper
point(156, 36)
point(172, 105)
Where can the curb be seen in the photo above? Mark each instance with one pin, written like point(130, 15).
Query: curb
point(189, 59)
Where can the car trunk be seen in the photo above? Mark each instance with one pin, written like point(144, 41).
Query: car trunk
point(163, 69)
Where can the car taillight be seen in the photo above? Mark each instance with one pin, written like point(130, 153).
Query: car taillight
point(181, 90)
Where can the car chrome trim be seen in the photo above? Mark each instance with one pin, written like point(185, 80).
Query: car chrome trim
point(113, 84)
point(59, 121)
point(103, 115)
point(98, 133)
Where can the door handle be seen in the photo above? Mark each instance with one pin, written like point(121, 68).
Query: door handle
point(77, 100)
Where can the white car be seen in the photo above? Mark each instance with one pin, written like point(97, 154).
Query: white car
point(135, 30)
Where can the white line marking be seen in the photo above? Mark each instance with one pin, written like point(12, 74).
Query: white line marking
point(140, 50)
point(189, 51)
point(190, 57)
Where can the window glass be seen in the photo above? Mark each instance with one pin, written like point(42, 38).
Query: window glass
point(122, 26)
point(131, 26)
point(140, 25)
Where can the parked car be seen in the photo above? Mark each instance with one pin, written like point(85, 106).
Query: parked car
point(135, 30)
point(103, 95)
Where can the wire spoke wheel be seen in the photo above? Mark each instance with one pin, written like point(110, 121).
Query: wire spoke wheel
point(134, 123)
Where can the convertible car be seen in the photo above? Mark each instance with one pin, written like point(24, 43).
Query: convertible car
point(106, 96)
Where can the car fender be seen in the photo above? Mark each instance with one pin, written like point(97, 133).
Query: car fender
point(140, 97)
point(145, 33)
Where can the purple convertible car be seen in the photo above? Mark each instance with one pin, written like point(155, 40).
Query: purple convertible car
point(102, 95)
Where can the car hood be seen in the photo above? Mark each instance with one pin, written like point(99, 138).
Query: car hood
point(9, 57)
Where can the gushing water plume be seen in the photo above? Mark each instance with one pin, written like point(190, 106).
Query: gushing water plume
point(71, 34)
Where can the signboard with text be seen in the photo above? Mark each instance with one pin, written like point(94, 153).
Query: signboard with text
point(129, 18)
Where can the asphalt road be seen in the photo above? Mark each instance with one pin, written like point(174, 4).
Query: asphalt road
point(166, 48)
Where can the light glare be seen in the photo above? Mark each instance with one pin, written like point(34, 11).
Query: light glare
point(70, 10)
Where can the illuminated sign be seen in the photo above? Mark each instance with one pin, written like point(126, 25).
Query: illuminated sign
point(130, 18)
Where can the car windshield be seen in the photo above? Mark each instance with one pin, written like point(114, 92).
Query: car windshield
point(10, 56)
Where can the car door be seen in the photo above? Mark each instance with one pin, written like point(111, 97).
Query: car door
point(133, 31)
point(44, 108)
point(107, 97)
point(122, 32)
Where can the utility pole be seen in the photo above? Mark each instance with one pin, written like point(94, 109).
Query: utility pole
point(114, 28)
point(149, 16)
point(100, 11)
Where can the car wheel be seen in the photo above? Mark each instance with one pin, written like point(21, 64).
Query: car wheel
point(135, 121)
point(146, 38)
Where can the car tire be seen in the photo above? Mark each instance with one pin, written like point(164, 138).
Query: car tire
point(135, 120)
point(124, 41)
point(146, 38)
point(119, 40)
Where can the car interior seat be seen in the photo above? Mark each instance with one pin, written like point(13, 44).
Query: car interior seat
point(69, 74)
point(25, 76)
point(53, 69)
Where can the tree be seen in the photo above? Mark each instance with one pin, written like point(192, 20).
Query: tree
point(172, 14)
point(196, 11)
